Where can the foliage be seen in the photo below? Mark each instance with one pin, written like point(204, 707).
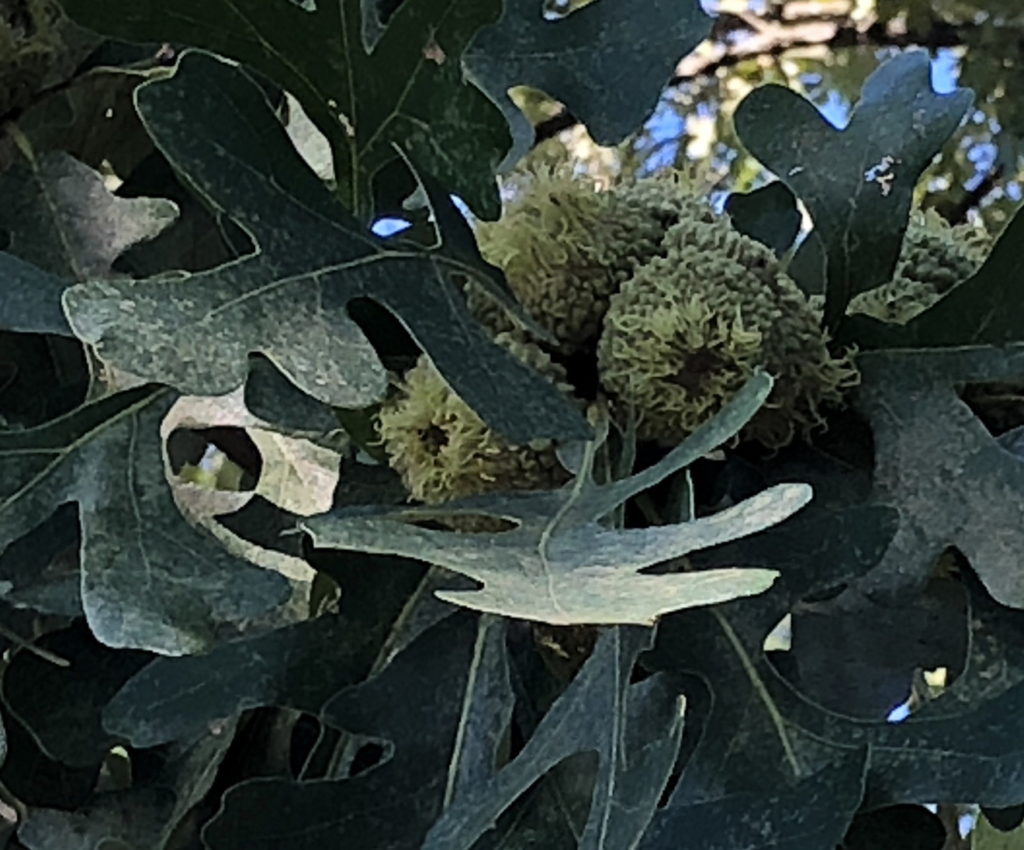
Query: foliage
point(576, 514)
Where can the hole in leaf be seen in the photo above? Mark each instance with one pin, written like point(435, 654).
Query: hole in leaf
point(392, 342)
point(999, 406)
point(1007, 819)
point(564, 649)
point(465, 523)
point(369, 755)
point(219, 458)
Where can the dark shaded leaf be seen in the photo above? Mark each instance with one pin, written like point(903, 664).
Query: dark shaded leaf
point(93, 118)
point(814, 813)
point(288, 300)
point(300, 666)
point(452, 675)
point(962, 745)
point(857, 656)
point(41, 375)
point(41, 569)
point(896, 828)
point(738, 737)
point(954, 484)
point(144, 815)
point(35, 778)
point(30, 298)
point(634, 729)
point(857, 183)
point(62, 706)
point(607, 63)
point(272, 397)
point(768, 214)
point(939, 755)
point(408, 91)
point(200, 238)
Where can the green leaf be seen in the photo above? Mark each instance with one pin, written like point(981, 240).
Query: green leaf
point(458, 673)
point(953, 483)
point(40, 570)
point(60, 216)
point(37, 780)
point(814, 813)
point(30, 299)
point(144, 815)
point(149, 579)
point(858, 182)
point(634, 729)
point(300, 666)
point(288, 300)
point(61, 706)
point(607, 62)
point(408, 91)
point(559, 565)
point(983, 310)
point(745, 742)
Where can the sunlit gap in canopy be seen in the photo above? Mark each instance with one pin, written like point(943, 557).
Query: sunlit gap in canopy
point(390, 225)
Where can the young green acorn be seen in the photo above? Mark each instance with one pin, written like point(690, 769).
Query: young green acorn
point(934, 258)
point(444, 451)
point(689, 327)
point(566, 247)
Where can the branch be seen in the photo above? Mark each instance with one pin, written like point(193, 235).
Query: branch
point(738, 38)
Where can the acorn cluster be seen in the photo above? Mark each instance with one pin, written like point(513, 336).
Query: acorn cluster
point(444, 451)
point(689, 328)
point(934, 258)
point(566, 247)
point(669, 307)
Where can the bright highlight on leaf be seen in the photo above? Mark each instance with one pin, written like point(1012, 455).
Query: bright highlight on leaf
point(559, 564)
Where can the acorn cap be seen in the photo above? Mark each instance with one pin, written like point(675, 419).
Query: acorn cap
point(566, 247)
point(444, 451)
point(689, 328)
point(934, 258)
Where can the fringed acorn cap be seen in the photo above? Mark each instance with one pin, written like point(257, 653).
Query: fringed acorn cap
point(566, 247)
point(934, 258)
point(689, 328)
point(444, 451)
